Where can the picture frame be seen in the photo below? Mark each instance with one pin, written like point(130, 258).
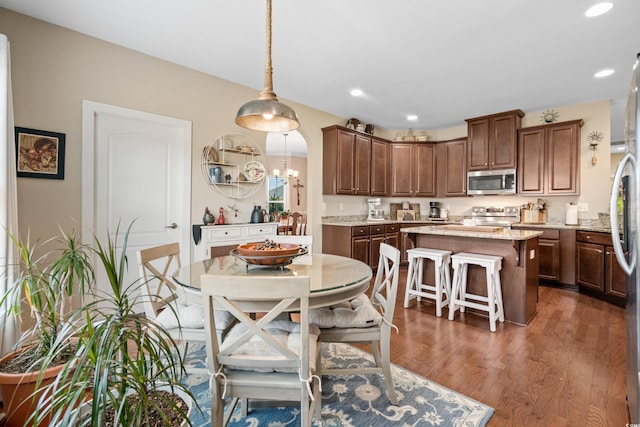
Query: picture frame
point(39, 153)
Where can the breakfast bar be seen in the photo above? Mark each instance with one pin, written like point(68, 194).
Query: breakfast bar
point(519, 252)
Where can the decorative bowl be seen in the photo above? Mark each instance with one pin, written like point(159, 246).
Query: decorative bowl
point(268, 257)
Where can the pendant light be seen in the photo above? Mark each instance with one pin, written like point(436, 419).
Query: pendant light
point(267, 114)
point(287, 173)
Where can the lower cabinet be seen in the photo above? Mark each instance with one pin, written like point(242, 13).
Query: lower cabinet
point(597, 269)
point(556, 254)
point(359, 242)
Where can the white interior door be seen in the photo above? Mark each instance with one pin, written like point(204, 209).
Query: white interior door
point(136, 167)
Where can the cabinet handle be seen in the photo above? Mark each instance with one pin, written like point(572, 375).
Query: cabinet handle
point(599, 251)
point(226, 232)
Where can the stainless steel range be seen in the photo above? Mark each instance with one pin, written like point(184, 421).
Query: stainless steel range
point(494, 215)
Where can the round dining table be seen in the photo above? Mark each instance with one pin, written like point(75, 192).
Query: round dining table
point(333, 279)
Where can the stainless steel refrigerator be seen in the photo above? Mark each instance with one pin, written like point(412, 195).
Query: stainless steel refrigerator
point(625, 196)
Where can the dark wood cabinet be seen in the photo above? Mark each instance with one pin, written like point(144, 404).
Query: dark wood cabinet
point(359, 242)
point(380, 167)
point(556, 254)
point(597, 269)
point(615, 279)
point(492, 141)
point(549, 159)
point(346, 161)
point(413, 170)
point(451, 168)
point(549, 259)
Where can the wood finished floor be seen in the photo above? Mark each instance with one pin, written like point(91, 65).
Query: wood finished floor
point(566, 368)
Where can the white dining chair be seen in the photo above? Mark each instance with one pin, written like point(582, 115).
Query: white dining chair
point(261, 357)
point(367, 325)
point(162, 302)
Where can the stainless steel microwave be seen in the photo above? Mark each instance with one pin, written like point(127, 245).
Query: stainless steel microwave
point(501, 181)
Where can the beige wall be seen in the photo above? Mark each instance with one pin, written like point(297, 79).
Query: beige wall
point(54, 69)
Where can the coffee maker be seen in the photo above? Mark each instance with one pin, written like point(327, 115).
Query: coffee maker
point(375, 214)
point(434, 209)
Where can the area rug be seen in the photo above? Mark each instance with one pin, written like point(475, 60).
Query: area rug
point(354, 400)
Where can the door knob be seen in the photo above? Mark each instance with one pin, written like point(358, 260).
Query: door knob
point(173, 225)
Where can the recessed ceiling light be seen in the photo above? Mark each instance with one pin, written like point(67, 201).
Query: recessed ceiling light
point(356, 92)
point(412, 117)
point(598, 9)
point(603, 73)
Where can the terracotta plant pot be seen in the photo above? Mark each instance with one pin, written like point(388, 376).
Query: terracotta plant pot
point(19, 392)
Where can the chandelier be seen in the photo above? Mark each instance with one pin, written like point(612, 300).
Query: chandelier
point(287, 173)
point(267, 114)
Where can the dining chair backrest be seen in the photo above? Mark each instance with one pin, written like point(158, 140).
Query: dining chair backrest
point(298, 223)
point(303, 241)
point(156, 264)
point(385, 285)
point(263, 356)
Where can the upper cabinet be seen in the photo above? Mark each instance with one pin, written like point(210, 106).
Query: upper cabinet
point(549, 159)
point(346, 161)
point(451, 168)
point(492, 141)
point(413, 170)
point(380, 153)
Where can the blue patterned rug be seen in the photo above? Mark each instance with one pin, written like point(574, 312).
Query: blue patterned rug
point(354, 400)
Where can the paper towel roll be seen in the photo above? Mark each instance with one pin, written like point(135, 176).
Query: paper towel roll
point(572, 215)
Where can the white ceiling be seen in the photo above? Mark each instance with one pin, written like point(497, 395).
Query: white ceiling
point(443, 61)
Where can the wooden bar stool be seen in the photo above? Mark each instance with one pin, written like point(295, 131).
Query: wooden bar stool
point(460, 299)
point(441, 292)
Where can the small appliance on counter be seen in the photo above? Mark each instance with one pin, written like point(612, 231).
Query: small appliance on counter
point(375, 214)
point(434, 209)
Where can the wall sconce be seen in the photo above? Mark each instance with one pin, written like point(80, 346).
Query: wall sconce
point(594, 139)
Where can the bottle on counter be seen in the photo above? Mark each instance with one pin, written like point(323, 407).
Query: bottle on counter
point(221, 217)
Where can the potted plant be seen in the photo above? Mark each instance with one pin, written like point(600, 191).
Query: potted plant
point(45, 284)
point(284, 217)
point(120, 353)
point(104, 348)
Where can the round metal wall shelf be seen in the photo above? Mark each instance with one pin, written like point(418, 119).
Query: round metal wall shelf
point(233, 165)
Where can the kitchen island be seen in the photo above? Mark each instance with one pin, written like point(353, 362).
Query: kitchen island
point(519, 252)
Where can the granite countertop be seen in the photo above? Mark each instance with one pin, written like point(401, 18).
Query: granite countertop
point(585, 225)
point(475, 231)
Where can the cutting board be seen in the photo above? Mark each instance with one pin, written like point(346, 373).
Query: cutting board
point(394, 207)
point(473, 228)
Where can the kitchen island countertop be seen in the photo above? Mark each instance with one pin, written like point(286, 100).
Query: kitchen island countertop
point(477, 232)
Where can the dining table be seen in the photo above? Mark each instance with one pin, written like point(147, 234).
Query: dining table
point(333, 278)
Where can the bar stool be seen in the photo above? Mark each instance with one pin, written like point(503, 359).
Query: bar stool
point(460, 299)
point(441, 292)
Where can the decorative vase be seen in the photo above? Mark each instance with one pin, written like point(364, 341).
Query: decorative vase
point(256, 215)
point(208, 217)
point(221, 217)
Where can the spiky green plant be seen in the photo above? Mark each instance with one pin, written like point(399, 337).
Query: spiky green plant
point(120, 353)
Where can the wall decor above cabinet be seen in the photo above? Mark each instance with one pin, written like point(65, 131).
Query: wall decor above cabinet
point(233, 165)
point(492, 141)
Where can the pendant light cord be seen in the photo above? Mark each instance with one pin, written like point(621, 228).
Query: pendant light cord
point(267, 92)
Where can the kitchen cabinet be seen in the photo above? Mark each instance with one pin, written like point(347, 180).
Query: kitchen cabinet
point(556, 254)
point(380, 168)
point(492, 141)
point(451, 168)
point(346, 161)
point(549, 159)
point(597, 270)
point(413, 170)
point(359, 242)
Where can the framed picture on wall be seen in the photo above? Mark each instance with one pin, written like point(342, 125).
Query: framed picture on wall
point(39, 153)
